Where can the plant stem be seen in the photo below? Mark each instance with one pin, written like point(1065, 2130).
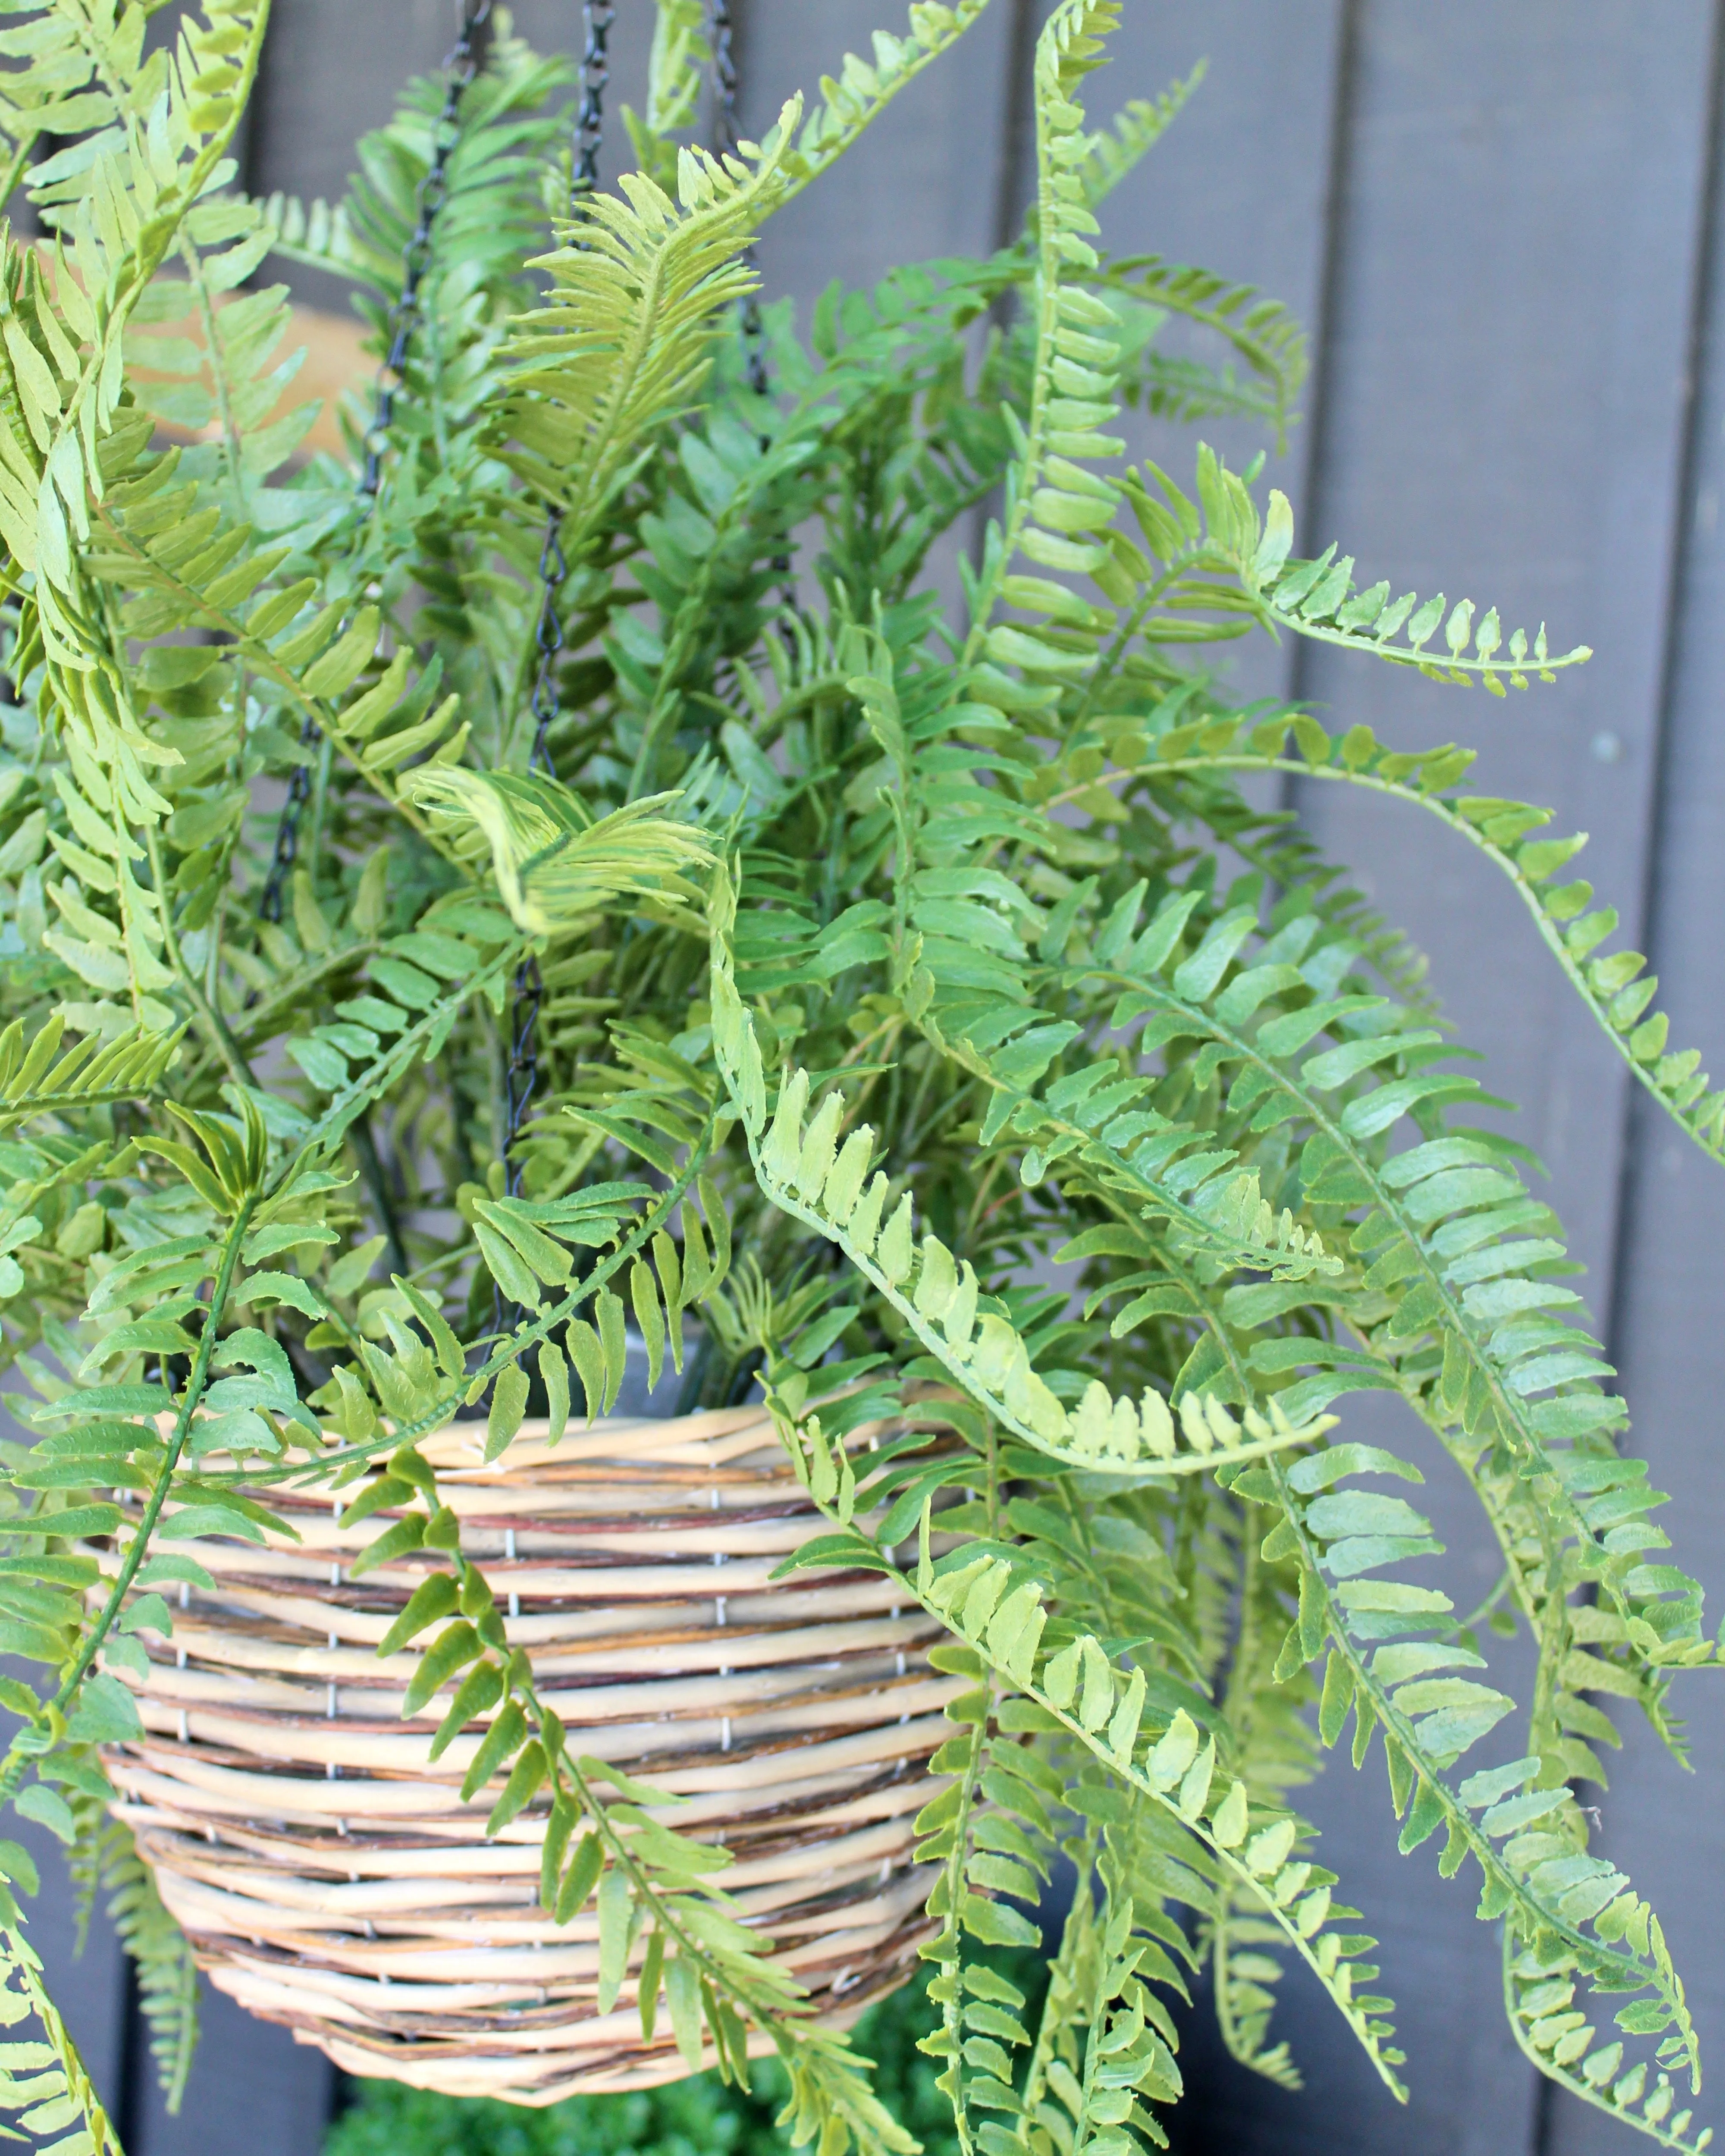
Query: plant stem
point(370, 1167)
point(214, 1024)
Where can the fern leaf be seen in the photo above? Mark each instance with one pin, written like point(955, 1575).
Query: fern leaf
point(1318, 598)
point(1261, 333)
point(1132, 133)
point(167, 1973)
point(1078, 1688)
point(56, 2091)
point(1539, 1999)
point(1427, 1721)
point(863, 90)
point(622, 343)
point(939, 1301)
point(553, 862)
point(1615, 987)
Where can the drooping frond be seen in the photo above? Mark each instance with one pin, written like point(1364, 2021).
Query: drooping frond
point(554, 863)
point(1261, 332)
point(1615, 987)
point(1132, 133)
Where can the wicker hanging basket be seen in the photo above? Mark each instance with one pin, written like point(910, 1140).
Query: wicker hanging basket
point(331, 1879)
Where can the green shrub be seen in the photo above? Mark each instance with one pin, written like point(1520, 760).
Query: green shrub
point(700, 2117)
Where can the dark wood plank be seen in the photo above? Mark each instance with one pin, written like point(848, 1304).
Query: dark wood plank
point(253, 2092)
point(92, 1989)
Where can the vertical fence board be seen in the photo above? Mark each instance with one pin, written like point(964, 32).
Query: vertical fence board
point(1658, 1823)
point(1513, 300)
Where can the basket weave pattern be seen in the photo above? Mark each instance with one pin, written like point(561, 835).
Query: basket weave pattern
point(331, 1878)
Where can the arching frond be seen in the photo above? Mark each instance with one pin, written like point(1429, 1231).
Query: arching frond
point(1261, 333)
point(863, 89)
point(1132, 133)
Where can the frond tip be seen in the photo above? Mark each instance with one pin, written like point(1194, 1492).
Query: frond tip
point(1318, 598)
point(1132, 133)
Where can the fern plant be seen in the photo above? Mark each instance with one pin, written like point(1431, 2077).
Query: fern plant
point(928, 1032)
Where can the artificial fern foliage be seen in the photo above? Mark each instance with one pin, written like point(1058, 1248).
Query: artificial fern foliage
point(930, 1034)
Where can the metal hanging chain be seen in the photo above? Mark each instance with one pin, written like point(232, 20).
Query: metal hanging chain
point(598, 15)
point(756, 371)
point(461, 64)
point(597, 18)
point(287, 828)
point(521, 1080)
point(720, 31)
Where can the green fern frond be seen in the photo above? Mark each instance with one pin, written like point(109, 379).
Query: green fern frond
point(553, 861)
point(1616, 988)
point(863, 90)
point(1132, 133)
point(1221, 530)
point(44, 2084)
point(90, 1075)
point(1054, 503)
point(995, 1606)
point(167, 1973)
point(1558, 2040)
point(1261, 333)
point(70, 398)
point(622, 344)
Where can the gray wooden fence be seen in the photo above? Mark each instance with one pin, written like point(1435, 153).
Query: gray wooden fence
point(1500, 223)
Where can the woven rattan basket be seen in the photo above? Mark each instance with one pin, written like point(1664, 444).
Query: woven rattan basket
point(331, 1879)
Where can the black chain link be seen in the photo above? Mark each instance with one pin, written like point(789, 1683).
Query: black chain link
point(598, 16)
point(461, 63)
point(521, 1080)
point(720, 33)
point(287, 829)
